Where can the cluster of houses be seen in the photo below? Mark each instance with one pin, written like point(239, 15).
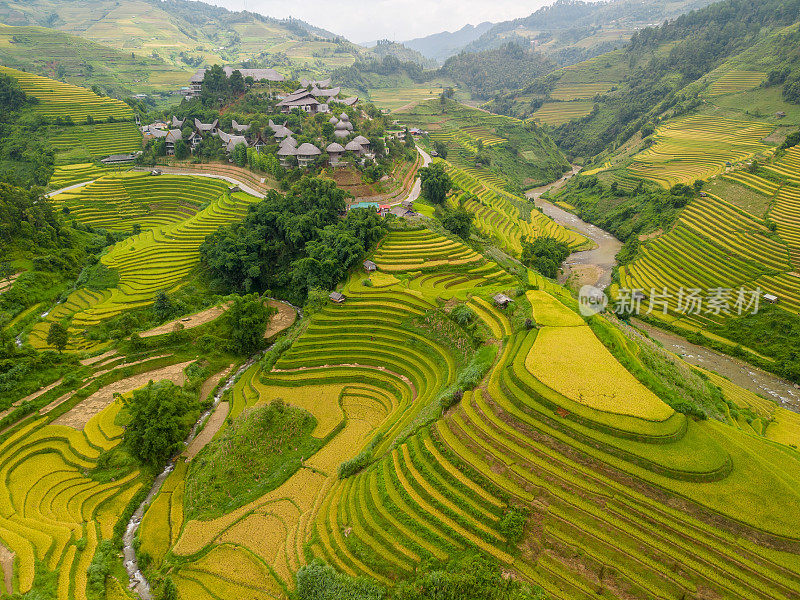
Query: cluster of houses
point(306, 154)
point(171, 133)
point(314, 97)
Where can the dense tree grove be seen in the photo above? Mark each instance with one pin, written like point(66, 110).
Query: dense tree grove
point(248, 319)
point(470, 577)
point(459, 222)
point(545, 254)
point(26, 157)
point(436, 183)
point(290, 243)
point(28, 221)
point(506, 68)
point(161, 415)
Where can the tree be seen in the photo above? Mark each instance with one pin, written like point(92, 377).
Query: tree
point(248, 319)
point(240, 154)
point(58, 336)
point(441, 148)
point(236, 83)
point(458, 222)
point(545, 254)
point(161, 415)
point(436, 183)
point(163, 306)
point(181, 149)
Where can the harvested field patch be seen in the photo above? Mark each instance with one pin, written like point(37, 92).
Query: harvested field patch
point(283, 319)
point(80, 414)
point(188, 322)
point(215, 421)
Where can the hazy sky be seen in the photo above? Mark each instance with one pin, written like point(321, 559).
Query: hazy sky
point(369, 20)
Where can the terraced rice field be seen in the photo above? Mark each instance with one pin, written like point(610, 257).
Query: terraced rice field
point(736, 81)
point(57, 99)
point(67, 175)
point(557, 113)
point(120, 201)
point(785, 212)
point(579, 91)
point(179, 216)
point(100, 140)
point(736, 250)
point(594, 479)
point(422, 249)
point(497, 216)
point(788, 166)
point(50, 511)
point(698, 147)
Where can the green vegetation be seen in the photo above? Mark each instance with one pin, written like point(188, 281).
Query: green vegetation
point(513, 155)
point(161, 415)
point(435, 182)
point(545, 254)
point(308, 246)
point(258, 451)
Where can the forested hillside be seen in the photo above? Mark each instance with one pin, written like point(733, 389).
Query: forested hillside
point(569, 31)
point(189, 34)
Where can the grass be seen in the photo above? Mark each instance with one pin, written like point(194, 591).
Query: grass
point(260, 450)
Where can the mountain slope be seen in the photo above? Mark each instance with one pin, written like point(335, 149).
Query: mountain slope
point(55, 54)
point(190, 34)
point(441, 46)
point(573, 30)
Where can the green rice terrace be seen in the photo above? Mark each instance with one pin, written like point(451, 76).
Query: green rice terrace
point(301, 393)
point(513, 156)
point(533, 433)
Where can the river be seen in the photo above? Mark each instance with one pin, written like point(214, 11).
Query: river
point(586, 267)
point(595, 267)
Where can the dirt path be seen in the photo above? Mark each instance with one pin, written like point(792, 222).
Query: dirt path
point(38, 393)
point(5, 284)
point(7, 564)
point(743, 374)
point(587, 267)
point(80, 414)
point(246, 188)
point(96, 360)
point(189, 322)
point(213, 425)
point(287, 315)
point(210, 383)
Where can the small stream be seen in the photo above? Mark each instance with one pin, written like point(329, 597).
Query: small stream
point(138, 583)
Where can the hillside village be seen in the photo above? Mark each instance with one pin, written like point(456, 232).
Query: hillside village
point(287, 318)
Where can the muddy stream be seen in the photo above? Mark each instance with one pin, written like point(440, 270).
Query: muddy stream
point(595, 266)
